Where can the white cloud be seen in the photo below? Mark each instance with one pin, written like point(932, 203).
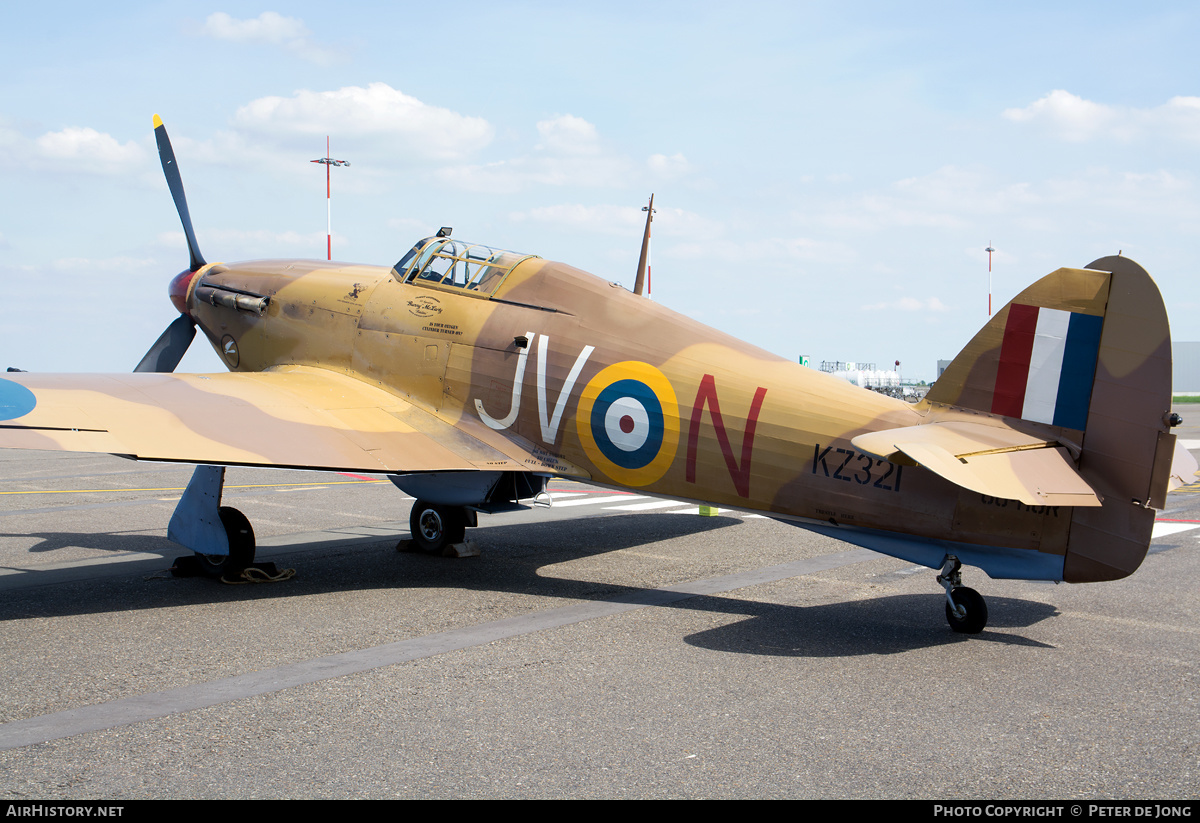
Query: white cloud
point(119, 263)
point(570, 152)
point(669, 167)
point(377, 112)
point(949, 198)
point(877, 211)
point(931, 201)
point(87, 150)
point(670, 222)
point(568, 135)
point(1074, 119)
point(242, 243)
point(772, 251)
point(1160, 181)
point(261, 238)
point(622, 220)
point(603, 171)
point(1071, 117)
point(268, 27)
point(603, 219)
point(271, 28)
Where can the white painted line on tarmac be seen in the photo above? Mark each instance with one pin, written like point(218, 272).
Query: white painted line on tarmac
point(593, 500)
point(641, 507)
point(1162, 528)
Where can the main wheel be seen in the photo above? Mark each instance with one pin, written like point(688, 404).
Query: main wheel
point(975, 616)
point(241, 546)
point(435, 527)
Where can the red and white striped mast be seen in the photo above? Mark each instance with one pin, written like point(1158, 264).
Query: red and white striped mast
point(329, 161)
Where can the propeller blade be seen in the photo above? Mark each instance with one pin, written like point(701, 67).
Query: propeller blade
point(175, 183)
point(170, 347)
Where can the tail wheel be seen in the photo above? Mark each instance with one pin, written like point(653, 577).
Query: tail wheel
point(435, 527)
point(969, 614)
point(241, 546)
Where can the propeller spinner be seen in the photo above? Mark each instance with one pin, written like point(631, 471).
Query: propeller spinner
point(171, 345)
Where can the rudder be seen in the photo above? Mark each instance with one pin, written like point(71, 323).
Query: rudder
point(1128, 446)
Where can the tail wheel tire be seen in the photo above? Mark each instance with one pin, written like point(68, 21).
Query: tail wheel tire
point(241, 546)
point(974, 613)
point(435, 527)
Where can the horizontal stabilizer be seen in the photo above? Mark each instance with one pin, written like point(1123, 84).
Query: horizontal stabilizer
point(992, 460)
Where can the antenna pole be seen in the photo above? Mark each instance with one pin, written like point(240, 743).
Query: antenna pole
point(643, 274)
point(989, 250)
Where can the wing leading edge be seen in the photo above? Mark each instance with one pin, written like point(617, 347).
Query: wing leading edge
point(293, 417)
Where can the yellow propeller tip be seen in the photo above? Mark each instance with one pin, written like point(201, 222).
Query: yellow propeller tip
point(157, 121)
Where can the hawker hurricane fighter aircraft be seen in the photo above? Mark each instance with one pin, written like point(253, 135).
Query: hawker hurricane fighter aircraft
point(471, 376)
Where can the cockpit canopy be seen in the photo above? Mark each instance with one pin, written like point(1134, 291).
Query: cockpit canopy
point(442, 261)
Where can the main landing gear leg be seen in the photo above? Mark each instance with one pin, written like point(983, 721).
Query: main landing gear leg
point(221, 537)
point(966, 611)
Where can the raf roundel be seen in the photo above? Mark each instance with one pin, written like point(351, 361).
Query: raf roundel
point(628, 422)
point(15, 400)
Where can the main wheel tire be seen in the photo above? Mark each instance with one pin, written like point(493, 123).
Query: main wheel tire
point(241, 546)
point(975, 618)
point(435, 527)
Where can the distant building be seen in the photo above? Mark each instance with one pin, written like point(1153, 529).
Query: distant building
point(1185, 367)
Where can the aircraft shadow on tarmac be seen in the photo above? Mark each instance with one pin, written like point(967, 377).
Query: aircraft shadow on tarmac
point(117, 543)
point(877, 625)
point(560, 539)
point(512, 557)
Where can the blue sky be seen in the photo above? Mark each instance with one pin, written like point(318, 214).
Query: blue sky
point(827, 175)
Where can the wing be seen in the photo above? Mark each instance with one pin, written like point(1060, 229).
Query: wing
point(990, 459)
point(293, 417)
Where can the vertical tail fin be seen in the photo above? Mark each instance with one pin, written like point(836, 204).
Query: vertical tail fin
point(1088, 352)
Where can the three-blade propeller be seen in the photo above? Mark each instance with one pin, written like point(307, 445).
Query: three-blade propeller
point(171, 345)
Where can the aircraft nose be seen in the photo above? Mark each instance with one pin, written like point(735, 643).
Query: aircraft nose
point(178, 291)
